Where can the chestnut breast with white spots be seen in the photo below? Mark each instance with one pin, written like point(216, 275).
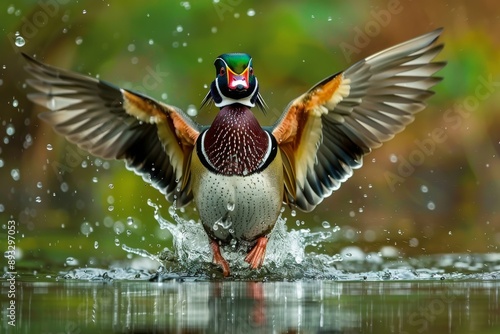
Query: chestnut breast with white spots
point(235, 143)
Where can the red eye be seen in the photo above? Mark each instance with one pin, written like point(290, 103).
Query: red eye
point(222, 71)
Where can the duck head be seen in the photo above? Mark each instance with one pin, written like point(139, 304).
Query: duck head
point(235, 82)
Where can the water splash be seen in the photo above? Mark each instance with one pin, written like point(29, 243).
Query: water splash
point(291, 255)
point(285, 255)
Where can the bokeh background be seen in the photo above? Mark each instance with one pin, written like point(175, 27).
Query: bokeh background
point(415, 194)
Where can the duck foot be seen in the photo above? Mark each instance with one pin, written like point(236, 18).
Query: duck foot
point(256, 256)
point(218, 259)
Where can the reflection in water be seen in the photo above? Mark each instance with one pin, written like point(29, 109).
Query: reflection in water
point(257, 307)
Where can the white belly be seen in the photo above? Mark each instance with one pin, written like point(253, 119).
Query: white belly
point(240, 207)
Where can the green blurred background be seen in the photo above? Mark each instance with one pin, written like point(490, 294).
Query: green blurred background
point(446, 197)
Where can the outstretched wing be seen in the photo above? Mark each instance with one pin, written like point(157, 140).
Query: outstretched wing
point(324, 133)
point(154, 139)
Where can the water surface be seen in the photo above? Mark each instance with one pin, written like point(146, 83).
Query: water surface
point(469, 306)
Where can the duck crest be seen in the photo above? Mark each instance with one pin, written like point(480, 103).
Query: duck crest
point(235, 143)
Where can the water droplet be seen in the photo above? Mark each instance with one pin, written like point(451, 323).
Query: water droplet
point(38, 199)
point(325, 224)
point(424, 189)
point(10, 130)
point(413, 242)
point(15, 174)
point(389, 251)
point(49, 147)
point(131, 47)
point(251, 12)
point(164, 96)
point(118, 227)
point(96, 244)
point(393, 158)
point(11, 10)
point(39, 185)
point(130, 221)
point(151, 42)
point(64, 187)
point(94, 179)
point(191, 110)
point(179, 28)
point(200, 60)
point(108, 221)
point(293, 213)
point(84, 11)
point(336, 228)
point(213, 30)
point(117, 242)
point(230, 206)
point(71, 261)
point(86, 228)
point(449, 233)
point(431, 205)
point(79, 40)
point(20, 41)
point(129, 232)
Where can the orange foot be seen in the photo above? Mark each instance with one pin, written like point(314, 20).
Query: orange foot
point(256, 256)
point(218, 259)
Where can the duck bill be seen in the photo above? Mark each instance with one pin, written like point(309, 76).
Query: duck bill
point(238, 81)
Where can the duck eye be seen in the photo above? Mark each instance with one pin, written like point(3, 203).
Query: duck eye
point(250, 70)
point(222, 71)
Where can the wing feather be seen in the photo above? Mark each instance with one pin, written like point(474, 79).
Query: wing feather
point(154, 139)
point(326, 132)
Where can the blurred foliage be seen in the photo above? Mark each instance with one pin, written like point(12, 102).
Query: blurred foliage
point(449, 203)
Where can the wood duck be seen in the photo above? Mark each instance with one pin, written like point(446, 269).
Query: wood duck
point(238, 173)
